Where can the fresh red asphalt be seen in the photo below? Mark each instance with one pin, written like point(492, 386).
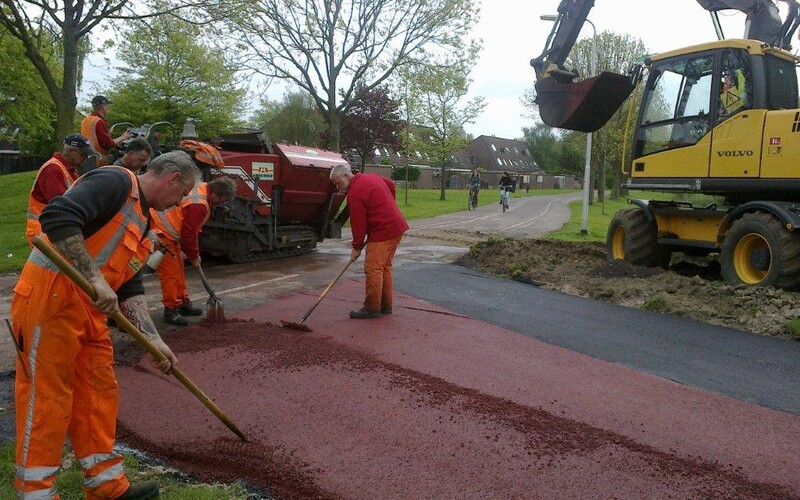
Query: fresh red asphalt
point(429, 404)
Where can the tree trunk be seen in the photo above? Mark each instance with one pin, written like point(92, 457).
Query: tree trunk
point(334, 132)
point(441, 194)
point(617, 181)
point(601, 183)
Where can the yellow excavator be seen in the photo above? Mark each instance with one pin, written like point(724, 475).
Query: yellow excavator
point(720, 119)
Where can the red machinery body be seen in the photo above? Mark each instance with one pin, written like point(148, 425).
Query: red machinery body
point(285, 203)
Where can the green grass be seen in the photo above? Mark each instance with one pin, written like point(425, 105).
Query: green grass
point(14, 189)
point(70, 480)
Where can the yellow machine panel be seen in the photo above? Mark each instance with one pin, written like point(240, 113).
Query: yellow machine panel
point(736, 145)
point(781, 156)
point(690, 227)
point(689, 161)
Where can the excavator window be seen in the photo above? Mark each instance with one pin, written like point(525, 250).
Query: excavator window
point(676, 110)
point(736, 84)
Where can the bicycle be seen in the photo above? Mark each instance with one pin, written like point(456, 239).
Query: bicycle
point(472, 200)
point(504, 190)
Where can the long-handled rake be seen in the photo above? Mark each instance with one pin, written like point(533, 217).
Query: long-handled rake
point(214, 309)
point(126, 325)
point(304, 328)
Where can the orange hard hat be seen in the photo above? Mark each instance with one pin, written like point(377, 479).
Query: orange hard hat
point(203, 153)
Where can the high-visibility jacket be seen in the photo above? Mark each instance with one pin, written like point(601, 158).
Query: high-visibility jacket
point(170, 222)
point(89, 130)
point(67, 350)
point(35, 207)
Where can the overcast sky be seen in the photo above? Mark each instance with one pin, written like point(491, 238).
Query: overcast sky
point(513, 34)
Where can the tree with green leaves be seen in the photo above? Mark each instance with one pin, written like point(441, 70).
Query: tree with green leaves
point(63, 27)
point(412, 174)
point(438, 92)
point(328, 47)
point(372, 122)
point(544, 147)
point(292, 120)
point(171, 75)
point(26, 111)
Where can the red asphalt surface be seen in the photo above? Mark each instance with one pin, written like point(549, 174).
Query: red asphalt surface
point(429, 404)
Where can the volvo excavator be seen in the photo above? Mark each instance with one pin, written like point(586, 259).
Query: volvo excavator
point(719, 119)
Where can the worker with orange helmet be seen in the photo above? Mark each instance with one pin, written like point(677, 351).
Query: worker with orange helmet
point(178, 230)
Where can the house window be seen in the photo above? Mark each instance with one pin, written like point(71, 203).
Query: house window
point(499, 162)
point(493, 148)
point(377, 152)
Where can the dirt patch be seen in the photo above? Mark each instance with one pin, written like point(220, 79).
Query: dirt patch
point(690, 287)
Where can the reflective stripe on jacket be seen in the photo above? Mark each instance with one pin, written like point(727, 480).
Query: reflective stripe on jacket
point(170, 222)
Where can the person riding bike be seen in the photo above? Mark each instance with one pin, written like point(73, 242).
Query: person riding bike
point(474, 186)
point(506, 186)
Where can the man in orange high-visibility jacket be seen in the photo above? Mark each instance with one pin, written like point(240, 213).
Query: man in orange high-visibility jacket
point(95, 128)
point(54, 178)
point(178, 230)
point(65, 383)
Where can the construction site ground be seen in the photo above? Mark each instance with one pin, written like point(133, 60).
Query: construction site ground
point(507, 375)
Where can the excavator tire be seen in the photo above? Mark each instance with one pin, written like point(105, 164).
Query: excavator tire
point(759, 251)
point(633, 238)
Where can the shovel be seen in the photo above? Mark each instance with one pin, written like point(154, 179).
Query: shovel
point(126, 325)
point(300, 326)
point(214, 309)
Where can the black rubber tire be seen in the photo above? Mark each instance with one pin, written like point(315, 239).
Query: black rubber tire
point(633, 238)
point(769, 254)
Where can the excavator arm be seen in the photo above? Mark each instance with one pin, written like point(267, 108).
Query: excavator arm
point(567, 102)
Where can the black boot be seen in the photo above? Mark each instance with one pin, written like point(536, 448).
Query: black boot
point(364, 314)
point(140, 491)
point(173, 317)
point(187, 309)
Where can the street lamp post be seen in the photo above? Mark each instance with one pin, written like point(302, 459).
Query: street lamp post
point(587, 169)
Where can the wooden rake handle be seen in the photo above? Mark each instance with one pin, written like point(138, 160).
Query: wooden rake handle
point(327, 289)
point(126, 325)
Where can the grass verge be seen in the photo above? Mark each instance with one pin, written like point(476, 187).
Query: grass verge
point(174, 486)
point(14, 189)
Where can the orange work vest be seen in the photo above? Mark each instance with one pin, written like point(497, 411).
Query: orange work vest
point(170, 222)
point(35, 207)
point(120, 247)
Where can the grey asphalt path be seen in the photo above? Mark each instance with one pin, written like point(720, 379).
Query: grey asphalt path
point(745, 366)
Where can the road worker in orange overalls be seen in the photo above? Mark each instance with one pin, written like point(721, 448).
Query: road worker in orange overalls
point(178, 230)
point(67, 386)
point(54, 178)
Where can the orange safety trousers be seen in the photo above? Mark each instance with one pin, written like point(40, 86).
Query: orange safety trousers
point(171, 275)
point(70, 389)
point(379, 273)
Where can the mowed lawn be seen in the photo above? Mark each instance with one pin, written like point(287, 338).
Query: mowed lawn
point(14, 189)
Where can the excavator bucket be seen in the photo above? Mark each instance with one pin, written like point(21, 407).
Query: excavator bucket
point(584, 106)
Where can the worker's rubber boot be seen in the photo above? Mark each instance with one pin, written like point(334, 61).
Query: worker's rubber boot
point(173, 317)
point(364, 314)
point(188, 309)
point(386, 310)
point(140, 491)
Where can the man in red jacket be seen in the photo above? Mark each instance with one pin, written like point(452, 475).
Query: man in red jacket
point(373, 215)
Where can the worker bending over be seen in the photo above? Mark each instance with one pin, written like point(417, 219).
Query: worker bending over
point(373, 215)
point(178, 229)
point(68, 386)
point(54, 178)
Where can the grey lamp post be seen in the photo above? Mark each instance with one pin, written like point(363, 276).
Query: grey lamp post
point(587, 169)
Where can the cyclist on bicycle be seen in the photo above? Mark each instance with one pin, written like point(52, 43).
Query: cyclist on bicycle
point(474, 186)
point(506, 184)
